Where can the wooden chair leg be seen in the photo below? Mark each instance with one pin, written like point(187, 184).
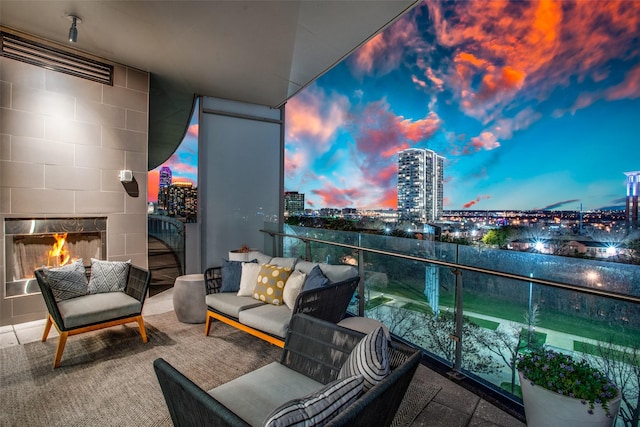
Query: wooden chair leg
point(143, 332)
point(62, 340)
point(207, 325)
point(47, 328)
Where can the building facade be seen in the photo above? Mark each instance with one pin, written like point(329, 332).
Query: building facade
point(293, 203)
point(631, 209)
point(420, 185)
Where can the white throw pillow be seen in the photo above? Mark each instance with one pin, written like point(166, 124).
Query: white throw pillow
point(292, 288)
point(249, 278)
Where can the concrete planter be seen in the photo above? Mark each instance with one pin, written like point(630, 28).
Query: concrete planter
point(544, 408)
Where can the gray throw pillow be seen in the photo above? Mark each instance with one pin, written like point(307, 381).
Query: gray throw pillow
point(108, 276)
point(315, 279)
point(68, 281)
point(231, 274)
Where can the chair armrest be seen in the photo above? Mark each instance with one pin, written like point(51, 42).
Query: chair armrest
point(189, 405)
point(49, 299)
point(213, 279)
point(138, 283)
point(317, 348)
point(329, 303)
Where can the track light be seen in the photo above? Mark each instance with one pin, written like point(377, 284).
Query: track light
point(73, 31)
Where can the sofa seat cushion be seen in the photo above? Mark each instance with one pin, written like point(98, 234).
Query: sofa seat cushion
point(97, 308)
point(231, 304)
point(255, 395)
point(269, 318)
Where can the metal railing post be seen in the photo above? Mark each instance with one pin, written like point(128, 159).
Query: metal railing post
point(307, 250)
point(361, 300)
point(457, 335)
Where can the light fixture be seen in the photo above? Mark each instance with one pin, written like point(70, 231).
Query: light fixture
point(73, 31)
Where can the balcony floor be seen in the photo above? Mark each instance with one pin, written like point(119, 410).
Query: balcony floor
point(452, 406)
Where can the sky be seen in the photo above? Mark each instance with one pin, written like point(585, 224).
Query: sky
point(534, 105)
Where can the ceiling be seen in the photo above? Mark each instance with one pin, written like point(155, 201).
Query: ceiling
point(260, 52)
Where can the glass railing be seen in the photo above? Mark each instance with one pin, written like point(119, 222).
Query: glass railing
point(474, 309)
point(170, 231)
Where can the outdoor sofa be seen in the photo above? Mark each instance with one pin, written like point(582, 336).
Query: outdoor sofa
point(305, 385)
point(328, 301)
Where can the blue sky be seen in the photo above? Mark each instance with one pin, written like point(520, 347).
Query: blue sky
point(533, 104)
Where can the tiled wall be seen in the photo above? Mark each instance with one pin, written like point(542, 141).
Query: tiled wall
point(63, 141)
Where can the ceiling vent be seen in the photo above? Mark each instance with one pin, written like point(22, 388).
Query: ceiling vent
point(48, 57)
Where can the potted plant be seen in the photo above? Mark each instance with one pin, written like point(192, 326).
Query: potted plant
point(559, 390)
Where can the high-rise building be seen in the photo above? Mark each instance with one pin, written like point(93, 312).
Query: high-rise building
point(633, 191)
point(163, 188)
point(420, 185)
point(165, 176)
point(293, 203)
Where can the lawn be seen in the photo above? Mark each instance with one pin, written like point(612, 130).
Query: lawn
point(489, 306)
point(588, 348)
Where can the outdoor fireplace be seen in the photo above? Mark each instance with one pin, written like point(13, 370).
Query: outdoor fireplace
point(35, 242)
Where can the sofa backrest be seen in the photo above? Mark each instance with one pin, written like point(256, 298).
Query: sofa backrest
point(334, 272)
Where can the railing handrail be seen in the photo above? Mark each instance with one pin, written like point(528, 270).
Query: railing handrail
point(455, 266)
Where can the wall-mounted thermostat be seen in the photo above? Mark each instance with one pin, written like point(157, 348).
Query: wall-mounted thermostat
point(126, 176)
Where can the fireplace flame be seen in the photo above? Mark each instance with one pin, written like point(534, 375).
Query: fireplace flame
point(59, 253)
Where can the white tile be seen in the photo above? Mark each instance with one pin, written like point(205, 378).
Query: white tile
point(8, 339)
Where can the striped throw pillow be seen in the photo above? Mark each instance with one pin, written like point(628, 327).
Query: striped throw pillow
point(369, 358)
point(317, 408)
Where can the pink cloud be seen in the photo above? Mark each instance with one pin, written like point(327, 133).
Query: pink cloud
point(473, 202)
point(385, 51)
point(486, 140)
point(509, 52)
point(337, 197)
point(193, 130)
point(628, 89)
point(313, 116)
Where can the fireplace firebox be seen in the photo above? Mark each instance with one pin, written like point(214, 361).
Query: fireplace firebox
point(31, 243)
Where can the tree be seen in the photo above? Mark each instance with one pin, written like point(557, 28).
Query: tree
point(434, 333)
point(622, 366)
point(499, 237)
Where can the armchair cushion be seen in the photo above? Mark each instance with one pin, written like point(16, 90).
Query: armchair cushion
point(108, 276)
point(254, 395)
point(369, 358)
point(97, 308)
point(68, 281)
point(319, 407)
point(270, 283)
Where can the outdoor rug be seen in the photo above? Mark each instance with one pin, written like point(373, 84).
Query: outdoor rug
point(106, 377)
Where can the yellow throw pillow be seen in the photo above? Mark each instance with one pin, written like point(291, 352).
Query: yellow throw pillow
point(270, 284)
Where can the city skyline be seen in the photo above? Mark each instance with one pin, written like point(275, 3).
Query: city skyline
point(533, 104)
